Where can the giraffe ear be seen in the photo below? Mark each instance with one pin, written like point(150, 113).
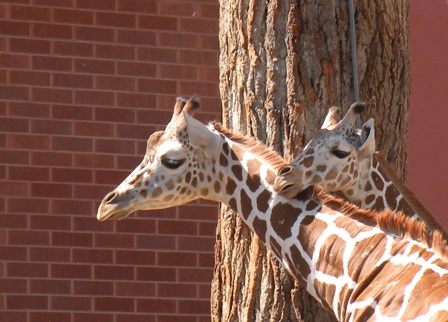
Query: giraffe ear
point(201, 137)
point(332, 119)
point(367, 146)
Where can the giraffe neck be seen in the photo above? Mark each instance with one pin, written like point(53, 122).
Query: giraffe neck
point(337, 259)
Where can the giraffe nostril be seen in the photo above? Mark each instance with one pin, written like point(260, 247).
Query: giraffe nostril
point(285, 170)
point(110, 197)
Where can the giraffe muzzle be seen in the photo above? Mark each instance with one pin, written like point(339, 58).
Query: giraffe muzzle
point(113, 207)
point(285, 182)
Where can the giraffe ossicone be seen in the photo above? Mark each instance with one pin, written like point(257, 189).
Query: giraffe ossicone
point(342, 159)
point(360, 266)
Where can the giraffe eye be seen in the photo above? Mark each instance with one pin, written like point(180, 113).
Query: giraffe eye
point(172, 163)
point(340, 154)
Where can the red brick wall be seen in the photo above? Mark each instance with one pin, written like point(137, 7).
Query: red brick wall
point(82, 85)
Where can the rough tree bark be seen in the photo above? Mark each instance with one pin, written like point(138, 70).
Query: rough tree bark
point(282, 65)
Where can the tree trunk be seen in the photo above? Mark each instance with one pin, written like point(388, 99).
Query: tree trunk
point(282, 65)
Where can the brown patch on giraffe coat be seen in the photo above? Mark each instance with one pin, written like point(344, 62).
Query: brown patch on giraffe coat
point(238, 171)
point(270, 176)
point(188, 177)
point(194, 182)
point(283, 217)
point(170, 184)
point(217, 187)
point(223, 160)
point(233, 204)
point(391, 197)
point(378, 181)
point(144, 193)
point(332, 174)
point(379, 204)
point(168, 198)
point(253, 181)
point(263, 201)
point(321, 167)
point(309, 225)
point(246, 204)
point(368, 186)
point(298, 259)
point(329, 290)
point(157, 192)
point(260, 227)
point(369, 199)
point(307, 162)
point(230, 186)
point(276, 248)
point(312, 205)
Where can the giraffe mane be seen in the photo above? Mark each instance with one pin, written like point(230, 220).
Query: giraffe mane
point(410, 197)
point(396, 223)
point(252, 145)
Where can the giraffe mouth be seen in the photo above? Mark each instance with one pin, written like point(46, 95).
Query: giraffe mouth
point(112, 207)
point(289, 190)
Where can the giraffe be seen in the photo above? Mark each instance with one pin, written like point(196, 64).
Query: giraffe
point(342, 159)
point(359, 265)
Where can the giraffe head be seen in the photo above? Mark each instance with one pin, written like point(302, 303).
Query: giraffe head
point(173, 170)
point(333, 158)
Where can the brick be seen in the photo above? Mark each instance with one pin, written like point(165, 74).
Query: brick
point(30, 13)
point(73, 16)
point(73, 80)
point(51, 190)
point(94, 317)
point(98, 4)
point(204, 290)
point(71, 239)
point(70, 207)
point(51, 127)
point(209, 10)
point(52, 95)
point(136, 100)
point(177, 259)
point(135, 289)
point(29, 109)
point(14, 157)
point(14, 221)
point(129, 163)
point(54, 3)
point(15, 93)
point(136, 69)
point(110, 177)
point(156, 274)
point(94, 34)
point(207, 228)
point(13, 253)
point(9, 125)
point(179, 72)
point(176, 290)
point(209, 42)
point(46, 316)
point(15, 28)
point(92, 256)
point(134, 131)
point(115, 20)
point(114, 304)
point(139, 6)
point(71, 271)
point(153, 116)
point(153, 54)
point(199, 26)
point(210, 74)
point(94, 66)
point(12, 316)
point(134, 257)
point(136, 226)
point(199, 212)
point(32, 206)
point(27, 302)
point(136, 37)
point(194, 307)
point(78, 144)
point(47, 254)
point(28, 142)
point(76, 49)
point(124, 84)
point(20, 237)
point(57, 31)
point(16, 189)
point(29, 78)
point(119, 273)
point(13, 285)
point(71, 303)
point(158, 86)
point(50, 286)
point(72, 112)
point(199, 58)
point(93, 288)
point(52, 63)
point(114, 146)
point(96, 161)
point(48, 222)
point(51, 159)
point(158, 23)
point(156, 242)
point(89, 193)
point(34, 46)
point(91, 224)
point(115, 115)
point(177, 8)
point(156, 305)
point(195, 275)
point(83, 97)
point(206, 260)
point(183, 318)
point(72, 175)
point(176, 227)
point(178, 40)
point(27, 269)
point(114, 51)
point(115, 241)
